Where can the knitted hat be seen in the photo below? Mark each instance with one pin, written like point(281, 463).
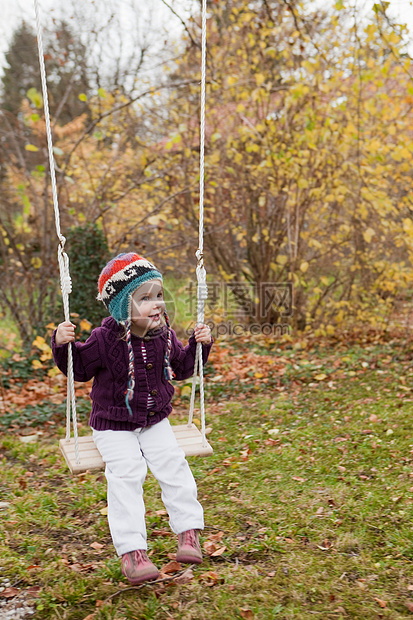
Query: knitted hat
point(117, 283)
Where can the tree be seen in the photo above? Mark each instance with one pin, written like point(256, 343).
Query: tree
point(308, 120)
point(66, 67)
point(99, 174)
point(22, 70)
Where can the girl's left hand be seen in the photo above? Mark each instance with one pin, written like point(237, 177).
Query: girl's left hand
point(202, 334)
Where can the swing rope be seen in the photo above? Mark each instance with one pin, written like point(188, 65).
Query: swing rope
point(63, 259)
point(202, 289)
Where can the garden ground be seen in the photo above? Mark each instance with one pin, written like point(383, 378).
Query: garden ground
point(308, 496)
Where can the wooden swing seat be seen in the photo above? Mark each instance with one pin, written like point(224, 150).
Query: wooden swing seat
point(188, 437)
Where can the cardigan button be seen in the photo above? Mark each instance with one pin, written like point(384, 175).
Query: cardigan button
point(154, 392)
point(149, 366)
point(147, 338)
point(151, 413)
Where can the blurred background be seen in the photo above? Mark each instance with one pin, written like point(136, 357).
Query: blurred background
point(308, 159)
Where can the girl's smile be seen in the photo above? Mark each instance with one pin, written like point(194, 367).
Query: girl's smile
point(147, 307)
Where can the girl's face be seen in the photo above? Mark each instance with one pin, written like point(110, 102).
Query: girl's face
point(147, 307)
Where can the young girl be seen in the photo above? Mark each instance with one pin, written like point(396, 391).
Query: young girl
point(132, 357)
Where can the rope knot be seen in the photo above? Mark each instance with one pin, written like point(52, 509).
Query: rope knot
point(66, 284)
point(202, 284)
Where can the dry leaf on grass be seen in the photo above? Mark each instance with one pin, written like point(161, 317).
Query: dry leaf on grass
point(340, 610)
point(246, 613)
point(213, 471)
point(211, 578)
point(171, 567)
point(9, 592)
point(209, 547)
point(216, 537)
point(186, 577)
point(83, 568)
point(164, 533)
point(382, 603)
point(33, 591)
point(236, 500)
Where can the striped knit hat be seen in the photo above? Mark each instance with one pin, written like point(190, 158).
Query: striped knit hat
point(117, 283)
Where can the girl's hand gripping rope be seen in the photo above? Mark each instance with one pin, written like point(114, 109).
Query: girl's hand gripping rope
point(202, 333)
point(65, 333)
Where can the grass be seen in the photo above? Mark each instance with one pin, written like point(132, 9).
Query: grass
point(310, 491)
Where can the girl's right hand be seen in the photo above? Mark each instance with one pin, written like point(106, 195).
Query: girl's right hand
point(65, 333)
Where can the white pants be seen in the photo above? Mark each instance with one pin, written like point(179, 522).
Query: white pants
point(127, 455)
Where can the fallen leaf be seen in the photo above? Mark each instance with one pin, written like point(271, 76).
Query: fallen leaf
point(236, 499)
point(186, 577)
point(9, 592)
point(171, 567)
point(29, 438)
point(83, 568)
point(381, 602)
point(104, 511)
point(409, 606)
point(271, 442)
point(211, 578)
point(96, 545)
point(209, 547)
point(299, 479)
point(361, 585)
point(246, 613)
point(218, 552)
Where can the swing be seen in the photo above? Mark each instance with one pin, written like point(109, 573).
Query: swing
point(81, 453)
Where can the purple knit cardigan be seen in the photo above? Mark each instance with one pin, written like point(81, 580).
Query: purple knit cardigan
point(104, 356)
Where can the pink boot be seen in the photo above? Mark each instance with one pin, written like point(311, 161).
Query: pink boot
point(189, 550)
point(137, 567)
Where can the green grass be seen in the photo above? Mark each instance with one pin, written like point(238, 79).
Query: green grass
point(311, 486)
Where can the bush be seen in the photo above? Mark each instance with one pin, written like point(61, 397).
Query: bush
point(88, 252)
